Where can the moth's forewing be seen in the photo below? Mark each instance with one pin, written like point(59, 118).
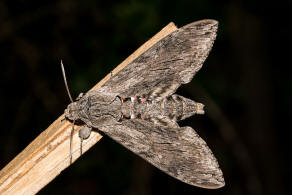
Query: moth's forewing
point(179, 152)
point(172, 61)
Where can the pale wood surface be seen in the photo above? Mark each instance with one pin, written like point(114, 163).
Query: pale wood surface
point(46, 156)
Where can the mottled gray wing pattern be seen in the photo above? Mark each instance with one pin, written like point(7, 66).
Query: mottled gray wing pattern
point(172, 61)
point(179, 152)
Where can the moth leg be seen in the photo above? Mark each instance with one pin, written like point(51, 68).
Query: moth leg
point(71, 137)
point(84, 133)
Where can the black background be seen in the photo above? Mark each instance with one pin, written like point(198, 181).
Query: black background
point(245, 84)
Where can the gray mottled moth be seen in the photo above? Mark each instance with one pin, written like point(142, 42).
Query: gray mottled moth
point(138, 107)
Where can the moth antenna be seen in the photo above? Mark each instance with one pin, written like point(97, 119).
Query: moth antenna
point(71, 138)
point(65, 80)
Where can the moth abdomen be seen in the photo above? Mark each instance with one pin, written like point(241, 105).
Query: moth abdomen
point(178, 107)
point(173, 107)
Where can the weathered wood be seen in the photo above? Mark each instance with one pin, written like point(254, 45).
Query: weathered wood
point(46, 156)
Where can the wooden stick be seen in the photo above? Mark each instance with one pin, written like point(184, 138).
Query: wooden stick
point(46, 156)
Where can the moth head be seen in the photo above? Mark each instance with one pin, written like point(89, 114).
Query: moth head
point(72, 111)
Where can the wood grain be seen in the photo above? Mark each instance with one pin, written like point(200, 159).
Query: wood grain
point(46, 156)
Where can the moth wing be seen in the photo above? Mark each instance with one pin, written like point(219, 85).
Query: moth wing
point(163, 121)
point(179, 152)
point(172, 61)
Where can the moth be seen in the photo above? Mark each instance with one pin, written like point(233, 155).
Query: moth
point(138, 107)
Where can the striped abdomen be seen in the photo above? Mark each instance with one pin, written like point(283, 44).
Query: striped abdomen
point(177, 107)
point(174, 107)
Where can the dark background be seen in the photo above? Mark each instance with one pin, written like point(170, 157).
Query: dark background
point(245, 84)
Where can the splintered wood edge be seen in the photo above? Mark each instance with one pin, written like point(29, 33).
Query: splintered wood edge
point(46, 156)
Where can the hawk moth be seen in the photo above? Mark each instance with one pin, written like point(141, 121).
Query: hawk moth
point(138, 107)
